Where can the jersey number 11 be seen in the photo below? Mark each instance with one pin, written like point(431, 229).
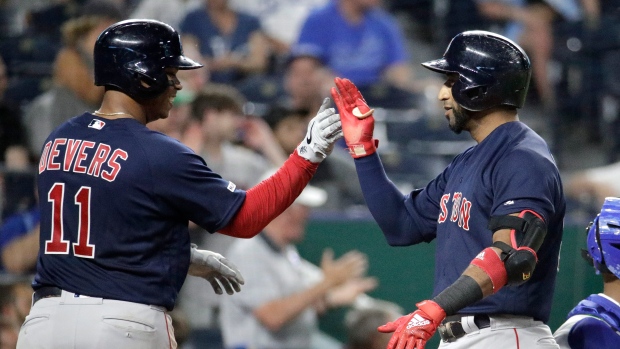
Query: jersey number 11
point(57, 244)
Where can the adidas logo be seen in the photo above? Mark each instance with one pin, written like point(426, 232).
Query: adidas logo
point(417, 321)
point(480, 256)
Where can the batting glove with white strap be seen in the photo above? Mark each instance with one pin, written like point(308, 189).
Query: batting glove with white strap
point(216, 269)
point(323, 132)
point(414, 330)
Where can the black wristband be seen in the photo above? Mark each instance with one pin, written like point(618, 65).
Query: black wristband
point(463, 292)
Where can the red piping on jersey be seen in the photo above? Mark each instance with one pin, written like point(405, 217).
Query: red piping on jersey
point(168, 331)
point(517, 338)
point(269, 198)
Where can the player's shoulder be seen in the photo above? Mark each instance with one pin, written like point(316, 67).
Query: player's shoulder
point(593, 332)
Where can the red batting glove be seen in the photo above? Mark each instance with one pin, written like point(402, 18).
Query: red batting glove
point(356, 117)
point(414, 330)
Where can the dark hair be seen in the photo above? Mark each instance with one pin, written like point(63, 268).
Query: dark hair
point(218, 97)
point(277, 113)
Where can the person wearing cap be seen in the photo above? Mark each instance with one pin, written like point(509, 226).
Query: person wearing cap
point(285, 316)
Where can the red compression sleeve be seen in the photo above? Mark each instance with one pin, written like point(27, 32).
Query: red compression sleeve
point(269, 198)
point(492, 265)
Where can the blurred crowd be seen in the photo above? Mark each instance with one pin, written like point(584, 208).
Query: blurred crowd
point(269, 65)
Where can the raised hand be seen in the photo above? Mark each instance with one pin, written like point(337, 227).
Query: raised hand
point(358, 122)
point(216, 269)
point(412, 331)
point(323, 132)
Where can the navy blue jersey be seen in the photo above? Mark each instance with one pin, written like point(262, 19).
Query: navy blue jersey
point(115, 200)
point(511, 170)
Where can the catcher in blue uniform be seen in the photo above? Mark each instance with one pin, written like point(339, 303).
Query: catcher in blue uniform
point(595, 322)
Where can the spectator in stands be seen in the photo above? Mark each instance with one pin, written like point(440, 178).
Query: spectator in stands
point(170, 11)
point(530, 24)
point(361, 324)
point(306, 82)
point(15, 299)
point(19, 242)
point(12, 131)
point(73, 91)
point(358, 40)
point(19, 231)
point(289, 128)
point(263, 316)
point(592, 185)
point(217, 121)
point(280, 19)
point(230, 43)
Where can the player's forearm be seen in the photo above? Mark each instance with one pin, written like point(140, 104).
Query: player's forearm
point(485, 276)
point(385, 202)
point(271, 197)
point(20, 255)
point(276, 314)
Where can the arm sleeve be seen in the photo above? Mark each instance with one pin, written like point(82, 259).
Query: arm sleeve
point(403, 221)
point(593, 333)
point(269, 198)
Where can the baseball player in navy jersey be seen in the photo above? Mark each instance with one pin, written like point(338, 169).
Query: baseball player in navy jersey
point(116, 198)
point(595, 322)
point(496, 211)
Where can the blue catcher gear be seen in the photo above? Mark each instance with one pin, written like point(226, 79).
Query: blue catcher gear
point(604, 238)
point(492, 69)
point(131, 56)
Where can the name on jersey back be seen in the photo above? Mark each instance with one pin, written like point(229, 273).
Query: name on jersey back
point(76, 155)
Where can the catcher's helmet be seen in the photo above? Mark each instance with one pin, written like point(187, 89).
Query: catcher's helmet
point(132, 53)
point(492, 69)
point(604, 238)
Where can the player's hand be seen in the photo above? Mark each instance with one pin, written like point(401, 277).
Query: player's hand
point(414, 330)
point(216, 269)
point(358, 122)
point(323, 131)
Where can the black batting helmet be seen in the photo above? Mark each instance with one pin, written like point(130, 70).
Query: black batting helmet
point(132, 55)
point(492, 69)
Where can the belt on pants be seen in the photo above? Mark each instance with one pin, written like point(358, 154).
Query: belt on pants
point(45, 292)
point(452, 328)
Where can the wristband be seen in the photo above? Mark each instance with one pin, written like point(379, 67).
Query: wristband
point(492, 265)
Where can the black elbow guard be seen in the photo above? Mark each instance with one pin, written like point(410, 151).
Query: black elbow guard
point(528, 232)
point(519, 263)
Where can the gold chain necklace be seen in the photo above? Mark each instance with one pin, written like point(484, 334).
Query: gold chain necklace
point(112, 114)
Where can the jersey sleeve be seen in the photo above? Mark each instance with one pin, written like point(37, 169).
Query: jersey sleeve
point(525, 180)
point(185, 185)
point(403, 219)
point(593, 333)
